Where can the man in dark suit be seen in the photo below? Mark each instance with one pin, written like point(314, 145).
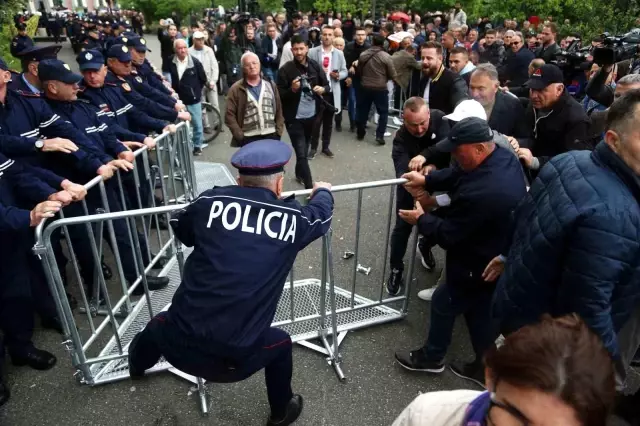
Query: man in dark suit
point(442, 88)
point(505, 113)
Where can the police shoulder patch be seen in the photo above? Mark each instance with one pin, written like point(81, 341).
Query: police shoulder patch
point(28, 94)
point(126, 87)
point(139, 79)
point(86, 101)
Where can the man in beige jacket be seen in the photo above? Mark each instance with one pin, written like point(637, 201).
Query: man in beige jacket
point(207, 58)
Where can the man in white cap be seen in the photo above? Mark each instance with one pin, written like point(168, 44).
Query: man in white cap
point(207, 58)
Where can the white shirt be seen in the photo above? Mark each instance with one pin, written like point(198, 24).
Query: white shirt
point(182, 66)
point(427, 89)
point(274, 49)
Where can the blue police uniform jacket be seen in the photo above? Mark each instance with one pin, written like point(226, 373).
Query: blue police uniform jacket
point(25, 117)
point(126, 121)
point(20, 43)
point(19, 85)
point(149, 76)
point(245, 241)
point(150, 107)
point(147, 91)
point(84, 116)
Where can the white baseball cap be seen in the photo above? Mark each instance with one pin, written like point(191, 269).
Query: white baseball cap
point(466, 109)
point(198, 34)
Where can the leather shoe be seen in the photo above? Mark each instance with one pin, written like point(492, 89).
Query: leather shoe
point(106, 271)
point(294, 408)
point(52, 323)
point(154, 283)
point(161, 263)
point(5, 393)
point(34, 358)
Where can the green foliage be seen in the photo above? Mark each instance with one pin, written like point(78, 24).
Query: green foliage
point(269, 5)
point(8, 10)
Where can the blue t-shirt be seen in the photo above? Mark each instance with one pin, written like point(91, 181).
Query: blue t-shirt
point(307, 106)
point(255, 90)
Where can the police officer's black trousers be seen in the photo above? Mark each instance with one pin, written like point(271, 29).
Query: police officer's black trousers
point(404, 201)
point(300, 134)
point(162, 338)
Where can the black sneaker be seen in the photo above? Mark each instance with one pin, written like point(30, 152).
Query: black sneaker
point(154, 283)
point(417, 361)
point(312, 154)
point(299, 180)
point(294, 408)
point(381, 141)
point(338, 127)
point(426, 255)
point(473, 371)
point(197, 151)
point(328, 153)
point(352, 128)
point(394, 283)
point(360, 137)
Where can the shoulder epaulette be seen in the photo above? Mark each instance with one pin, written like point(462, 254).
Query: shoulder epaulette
point(134, 71)
point(28, 94)
point(106, 83)
point(86, 101)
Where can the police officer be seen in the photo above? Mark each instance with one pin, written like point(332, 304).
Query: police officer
point(143, 68)
point(61, 87)
point(219, 324)
point(92, 39)
point(126, 121)
point(29, 57)
point(123, 69)
point(119, 58)
point(22, 41)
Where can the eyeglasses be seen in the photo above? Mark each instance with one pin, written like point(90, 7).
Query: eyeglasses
point(516, 43)
point(510, 409)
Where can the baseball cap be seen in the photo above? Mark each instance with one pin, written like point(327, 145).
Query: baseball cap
point(466, 131)
point(38, 53)
point(168, 21)
point(21, 26)
point(368, 23)
point(544, 76)
point(465, 109)
point(55, 69)
point(90, 60)
point(198, 34)
point(120, 52)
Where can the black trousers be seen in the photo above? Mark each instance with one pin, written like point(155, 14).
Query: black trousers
point(300, 132)
point(162, 338)
point(404, 201)
point(326, 122)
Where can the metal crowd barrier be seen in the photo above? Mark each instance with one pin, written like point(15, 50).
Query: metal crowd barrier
point(313, 308)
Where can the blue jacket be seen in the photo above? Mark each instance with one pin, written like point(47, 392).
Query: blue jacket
point(140, 86)
point(245, 241)
point(576, 246)
point(148, 106)
point(475, 227)
point(149, 76)
point(24, 117)
point(125, 120)
point(193, 80)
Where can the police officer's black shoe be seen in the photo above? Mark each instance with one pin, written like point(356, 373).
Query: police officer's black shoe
point(294, 408)
point(312, 154)
point(426, 255)
point(106, 271)
point(34, 358)
point(161, 263)
point(154, 283)
point(52, 323)
point(5, 393)
point(394, 283)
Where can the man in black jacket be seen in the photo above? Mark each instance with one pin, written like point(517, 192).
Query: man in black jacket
point(442, 88)
point(413, 150)
point(187, 79)
point(549, 49)
point(352, 52)
point(514, 72)
point(270, 53)
point(301, 84)
point(557, 121)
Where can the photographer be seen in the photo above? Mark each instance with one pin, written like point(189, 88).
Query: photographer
point(231, 54)
point(301, 84)
point(602, 93)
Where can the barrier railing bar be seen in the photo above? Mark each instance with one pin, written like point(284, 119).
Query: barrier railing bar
point(349, 187)
point(354, 275)
point(409, 279)
point(392, 191)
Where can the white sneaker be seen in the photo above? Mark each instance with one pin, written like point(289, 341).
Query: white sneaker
point(397, 121)
point(204, 145)
point(427, 294)
point(387, 134)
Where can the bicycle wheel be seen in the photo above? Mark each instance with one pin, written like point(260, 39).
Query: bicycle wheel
point(214, 120)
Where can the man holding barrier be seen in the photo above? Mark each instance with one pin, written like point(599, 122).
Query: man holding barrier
point(218, 326)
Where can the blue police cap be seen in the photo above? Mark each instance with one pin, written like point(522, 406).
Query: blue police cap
point(120, 52)
point(20, 26)
point(137, 43)
point(36, 54)
point(115, 26)
point(55, 69)
point(263, 157)
point(90, 60)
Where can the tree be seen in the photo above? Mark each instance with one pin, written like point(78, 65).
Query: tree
point(7, 29)
point(270, 6)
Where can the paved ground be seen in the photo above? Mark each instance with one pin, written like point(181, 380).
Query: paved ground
point(376, 390)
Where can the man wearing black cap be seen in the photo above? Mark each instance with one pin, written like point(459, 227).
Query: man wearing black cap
point(296, 28)
point(28, 80)
point(61, 88)
point(219, 324)
point(484, 187)
point(22, 41)
point(557, 122)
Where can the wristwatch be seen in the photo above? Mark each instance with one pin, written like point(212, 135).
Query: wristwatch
point(39, 144)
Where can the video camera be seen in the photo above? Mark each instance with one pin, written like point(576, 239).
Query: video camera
point(617, 48)
point(571, 61)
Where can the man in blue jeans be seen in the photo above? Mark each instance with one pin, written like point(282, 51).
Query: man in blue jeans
point(375, 68)
point(187, 79)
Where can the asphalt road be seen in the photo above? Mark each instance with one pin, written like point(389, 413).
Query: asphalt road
point(376, 389)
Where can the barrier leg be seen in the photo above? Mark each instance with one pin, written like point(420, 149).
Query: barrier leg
point(335, 359)
point(202, 394)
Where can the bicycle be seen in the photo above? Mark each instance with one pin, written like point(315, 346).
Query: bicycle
point(210, 116)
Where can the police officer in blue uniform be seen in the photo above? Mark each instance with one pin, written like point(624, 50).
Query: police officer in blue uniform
point(143, 68)
point(219, 324)
point(61, 87)
point(119, 59)
point(125, 120)
point(22, 41)
point(29, 57)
